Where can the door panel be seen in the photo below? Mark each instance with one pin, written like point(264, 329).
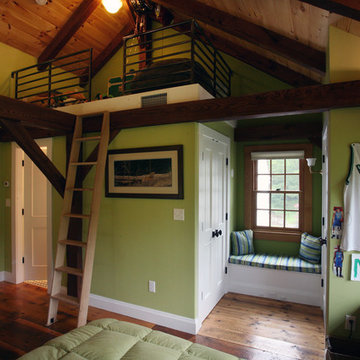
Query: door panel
point(35, 221)
point(212, 223)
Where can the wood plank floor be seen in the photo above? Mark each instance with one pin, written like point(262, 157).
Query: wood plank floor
point(248, 327)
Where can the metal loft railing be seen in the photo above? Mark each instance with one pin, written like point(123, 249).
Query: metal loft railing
point(171, 56)
point(58, 82)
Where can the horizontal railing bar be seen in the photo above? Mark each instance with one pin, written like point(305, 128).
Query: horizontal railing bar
point(160, 57)
point(158, 39)
point(159, 48)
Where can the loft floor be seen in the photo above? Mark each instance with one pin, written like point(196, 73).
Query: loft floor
point(246, 326)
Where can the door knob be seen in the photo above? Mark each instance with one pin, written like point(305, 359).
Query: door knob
point(220, 232)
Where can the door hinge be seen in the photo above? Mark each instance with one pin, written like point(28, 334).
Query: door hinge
point(225, 269)
point(322, 282)
point(202, 156)
point(226, 216)
point(23, 260)
point(22, 163)
point(323, 220)
point(22, 211)
point(227, 161)
point(323, 159)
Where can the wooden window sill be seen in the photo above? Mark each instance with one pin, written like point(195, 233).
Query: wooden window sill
point(293, 236)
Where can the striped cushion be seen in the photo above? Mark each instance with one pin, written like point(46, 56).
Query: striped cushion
point(310, 248)
point(288, 263)
point(242, 242)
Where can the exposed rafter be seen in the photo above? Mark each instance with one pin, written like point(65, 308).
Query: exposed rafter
point(348, 8)
point(35, 116)
point(32, 149)
point(76, 20)
point(302, 54)
point(260, 62)
point(304, 100)
point(279, 132)
point(253, 59)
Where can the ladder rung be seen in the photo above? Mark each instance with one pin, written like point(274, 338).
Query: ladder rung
point(70, 270)
point(73, 243)
point(88, 138)
point(80, 189)
point(66, 298)
point(83, 163)
point(79, 216)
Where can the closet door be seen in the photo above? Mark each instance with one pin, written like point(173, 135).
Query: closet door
point(213, 190)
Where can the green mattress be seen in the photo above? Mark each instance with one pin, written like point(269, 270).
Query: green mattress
point(109, 339)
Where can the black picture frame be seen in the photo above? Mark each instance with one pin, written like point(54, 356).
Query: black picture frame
point(149, 172)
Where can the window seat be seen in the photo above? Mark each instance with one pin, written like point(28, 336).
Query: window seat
point(288, 263)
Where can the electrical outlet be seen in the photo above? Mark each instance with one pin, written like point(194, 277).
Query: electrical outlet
point(152, 286)
point(348, 319)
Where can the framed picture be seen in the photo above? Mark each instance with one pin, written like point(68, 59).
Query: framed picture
point(154, 172)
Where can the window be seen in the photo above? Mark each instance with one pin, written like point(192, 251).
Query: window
point(278, 191)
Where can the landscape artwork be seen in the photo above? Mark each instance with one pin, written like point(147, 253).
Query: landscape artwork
point(145, 172)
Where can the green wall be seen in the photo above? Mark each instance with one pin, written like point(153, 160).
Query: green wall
point(138, 240)
point(11, 59)
point(343, 294)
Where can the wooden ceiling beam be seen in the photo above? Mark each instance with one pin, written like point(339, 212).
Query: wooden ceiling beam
point(293, 50)
point(268, 66)
point(35, 134)
point(111, 49)
point(72, 25)
point(296, 101)
point(35, 116)
point(348, 8)
point(279, 132)
point(32, 149)
point(260, 62)
point(304, 100)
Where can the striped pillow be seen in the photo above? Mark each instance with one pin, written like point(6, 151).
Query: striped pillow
point(310, 248)
point(242, 242)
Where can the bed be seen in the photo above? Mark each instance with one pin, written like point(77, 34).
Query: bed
point(110, 339)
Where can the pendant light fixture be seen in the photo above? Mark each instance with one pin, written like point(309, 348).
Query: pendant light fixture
point(112, 6)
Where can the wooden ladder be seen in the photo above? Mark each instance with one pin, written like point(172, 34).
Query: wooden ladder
point(89, 246)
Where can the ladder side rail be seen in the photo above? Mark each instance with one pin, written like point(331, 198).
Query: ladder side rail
point(64, 224)
point(94, 220)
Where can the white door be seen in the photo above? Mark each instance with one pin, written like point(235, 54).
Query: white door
point(35, 219)
point(213, 231)
point(325, 211)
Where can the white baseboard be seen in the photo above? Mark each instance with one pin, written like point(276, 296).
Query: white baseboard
point(7, 276)
point(162, 318)
point(303, 288)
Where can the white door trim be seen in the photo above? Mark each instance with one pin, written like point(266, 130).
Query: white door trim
point(17, 220)
point(204, 130)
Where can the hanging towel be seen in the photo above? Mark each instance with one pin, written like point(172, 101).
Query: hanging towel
point(351, 231)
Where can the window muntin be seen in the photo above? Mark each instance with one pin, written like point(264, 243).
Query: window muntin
point(277, 192)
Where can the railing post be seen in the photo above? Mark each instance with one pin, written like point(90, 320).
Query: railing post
point(90, 75)
point(49, 84)
point(124, 66)
point(16, 84)
point(214, 83)
point(192, 32)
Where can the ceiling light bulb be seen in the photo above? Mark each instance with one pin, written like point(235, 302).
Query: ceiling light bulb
point(41, 2)
point(112, 6)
